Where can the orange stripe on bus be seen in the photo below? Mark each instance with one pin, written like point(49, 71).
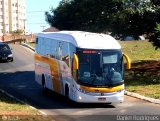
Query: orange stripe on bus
point(101, 90)
point(53, 63)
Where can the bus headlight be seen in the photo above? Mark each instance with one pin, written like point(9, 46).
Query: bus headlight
point(80, 98)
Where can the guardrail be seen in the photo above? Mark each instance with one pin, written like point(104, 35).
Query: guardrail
point(28, 46)
point(19, 41)
point(17, 38)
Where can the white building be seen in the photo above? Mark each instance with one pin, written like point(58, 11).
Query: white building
point(12, 16)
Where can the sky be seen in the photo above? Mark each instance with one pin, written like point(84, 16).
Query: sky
point(35, 18)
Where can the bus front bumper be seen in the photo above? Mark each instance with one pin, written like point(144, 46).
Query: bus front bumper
point(116, 97)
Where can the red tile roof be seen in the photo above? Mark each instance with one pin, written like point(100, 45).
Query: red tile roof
point(51, 29)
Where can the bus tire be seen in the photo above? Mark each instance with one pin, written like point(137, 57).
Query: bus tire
point(67, 91)
point(11, 60)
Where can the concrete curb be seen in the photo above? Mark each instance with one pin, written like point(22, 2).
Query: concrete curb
point(152, 100)
point(28, 46)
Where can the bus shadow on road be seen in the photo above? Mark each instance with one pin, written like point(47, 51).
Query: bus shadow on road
point(22, 85)
point(64, 103)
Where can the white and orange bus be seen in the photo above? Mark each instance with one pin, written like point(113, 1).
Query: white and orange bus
point(83, 66)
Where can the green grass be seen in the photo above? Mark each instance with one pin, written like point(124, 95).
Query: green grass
point(152, 90)
point(146, 83)
point(9, 105)
point(140, 50)
point(147, 86)
point(11, 110)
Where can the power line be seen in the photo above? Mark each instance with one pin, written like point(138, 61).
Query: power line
point(36, 23)
point(35, 11)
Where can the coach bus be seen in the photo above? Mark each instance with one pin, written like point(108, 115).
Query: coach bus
point(85, 67)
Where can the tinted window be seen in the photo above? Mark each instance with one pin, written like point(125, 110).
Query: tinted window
point(100, 67)
point(110, 57)
point(36, 40)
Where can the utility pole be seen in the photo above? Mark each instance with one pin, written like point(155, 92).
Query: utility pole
point(43, 27)
point(24, 20)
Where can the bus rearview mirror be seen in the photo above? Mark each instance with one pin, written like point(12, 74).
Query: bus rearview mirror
point(128, 61)
point(75, 62)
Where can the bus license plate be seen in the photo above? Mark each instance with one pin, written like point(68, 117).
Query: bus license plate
point(101, 99)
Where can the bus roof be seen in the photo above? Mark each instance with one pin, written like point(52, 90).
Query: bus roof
point(84, 39)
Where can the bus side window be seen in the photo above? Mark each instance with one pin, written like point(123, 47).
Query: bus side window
point(38, 45)
point(47, 47)
point(58, 50)
point(36, 40)
point(53, 46)
point(42, 48)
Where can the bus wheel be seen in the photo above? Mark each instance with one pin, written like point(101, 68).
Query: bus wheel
point(66, 91)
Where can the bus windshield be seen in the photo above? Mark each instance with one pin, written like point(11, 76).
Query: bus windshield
point(100, 67)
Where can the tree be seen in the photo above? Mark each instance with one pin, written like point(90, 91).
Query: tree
point(89, 15)
point(17, 32)
point(156, 2)
point(155, 37)
point(121, 17)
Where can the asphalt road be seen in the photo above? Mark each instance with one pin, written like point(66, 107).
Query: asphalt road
point(17, 78)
